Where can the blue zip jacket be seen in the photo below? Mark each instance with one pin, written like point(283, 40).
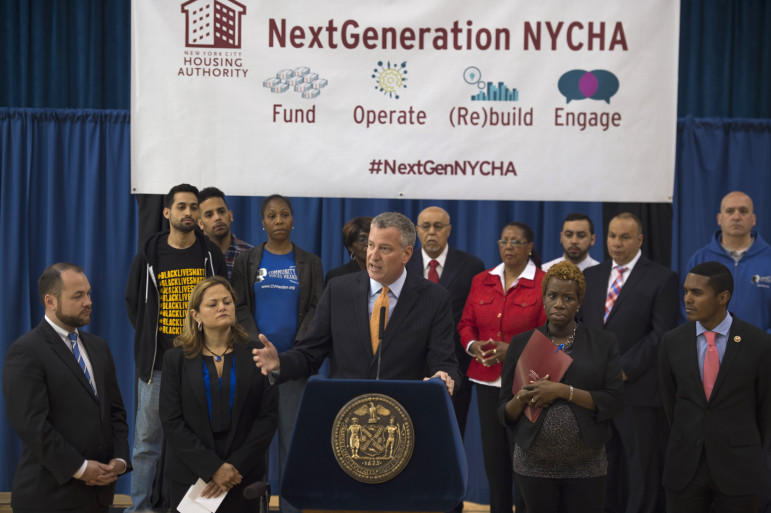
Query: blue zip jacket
point(751, 300)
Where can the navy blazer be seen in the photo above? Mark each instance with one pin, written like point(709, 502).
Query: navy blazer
point(458, 272)
point(732, 427)
point(596, 368)
point(60, 421)
point(187, 429)
point(418, 339)
point(646, 307)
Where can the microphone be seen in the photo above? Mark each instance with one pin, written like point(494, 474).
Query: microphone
point(380, 337)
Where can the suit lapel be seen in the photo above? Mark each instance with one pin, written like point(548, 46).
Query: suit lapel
point(65, 354)
point(361, 315)
point(404, 305)
point(98, 371)
point(689, 352)
point(594, 302)
point(450, 270)
point(243, 366)
point(732, 351)
point(194, 372)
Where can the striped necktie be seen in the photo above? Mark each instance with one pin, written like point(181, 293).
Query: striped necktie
point(613, 293)
point(76, 351)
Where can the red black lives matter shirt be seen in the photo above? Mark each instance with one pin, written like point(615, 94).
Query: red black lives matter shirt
point(177, 273)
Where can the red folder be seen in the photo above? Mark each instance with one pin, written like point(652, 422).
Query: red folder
point(539, 358)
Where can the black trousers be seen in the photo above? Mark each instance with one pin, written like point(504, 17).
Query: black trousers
point(496, 450)
point(577, 495)
point(636, 461)
point(702, 496)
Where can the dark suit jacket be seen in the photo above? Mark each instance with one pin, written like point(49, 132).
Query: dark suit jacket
point(643, 311)
point(351, 267)
point(185, 417)
point(596, 368)
point(417, 341)
point(60, 421)
point(459, 269)
point(309, 273)
point(733, 425)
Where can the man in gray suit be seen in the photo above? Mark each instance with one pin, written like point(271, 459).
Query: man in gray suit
point(417, 336)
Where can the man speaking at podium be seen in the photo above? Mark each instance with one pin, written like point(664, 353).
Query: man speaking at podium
point(382, 324)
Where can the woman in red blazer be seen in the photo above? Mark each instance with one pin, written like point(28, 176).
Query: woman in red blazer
point(503, 301)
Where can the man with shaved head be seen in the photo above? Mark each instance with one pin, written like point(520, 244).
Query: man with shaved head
point(741, 248)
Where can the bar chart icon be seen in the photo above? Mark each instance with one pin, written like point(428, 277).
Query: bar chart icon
point(496, 93)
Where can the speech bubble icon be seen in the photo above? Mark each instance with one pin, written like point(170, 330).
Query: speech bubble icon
point(607, 85)
point(568, 85)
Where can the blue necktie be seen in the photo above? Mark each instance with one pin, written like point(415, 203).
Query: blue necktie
point(76, 351)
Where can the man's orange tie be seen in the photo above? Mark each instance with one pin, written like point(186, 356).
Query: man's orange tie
point(374, 320)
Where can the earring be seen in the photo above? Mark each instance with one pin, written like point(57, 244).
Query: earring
point(199, 327)
point(263, 228)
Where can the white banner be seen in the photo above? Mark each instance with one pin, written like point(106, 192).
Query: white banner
point(440, 99)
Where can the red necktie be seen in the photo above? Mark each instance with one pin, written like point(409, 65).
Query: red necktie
point(432, 274)
point(615, 290)
point(711, 363)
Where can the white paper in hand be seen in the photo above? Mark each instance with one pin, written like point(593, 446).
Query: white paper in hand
point(192, 502)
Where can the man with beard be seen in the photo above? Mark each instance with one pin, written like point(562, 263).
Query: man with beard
point(215, 222)
point(62, 398)
point(164, 271)
point(576, 237)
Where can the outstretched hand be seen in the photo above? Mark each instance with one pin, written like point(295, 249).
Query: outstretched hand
point(266, 359)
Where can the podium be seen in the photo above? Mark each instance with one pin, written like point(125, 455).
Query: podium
point(434, 479)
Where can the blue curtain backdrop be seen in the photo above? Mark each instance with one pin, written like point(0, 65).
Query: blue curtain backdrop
point(64, 182)
point(64, 195)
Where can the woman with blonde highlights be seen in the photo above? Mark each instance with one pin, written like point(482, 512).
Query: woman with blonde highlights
point(559, 459)
point(218, 411)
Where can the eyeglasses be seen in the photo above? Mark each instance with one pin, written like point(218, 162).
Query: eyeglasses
point(437, 226)
point(515, 243)
point(362, 239)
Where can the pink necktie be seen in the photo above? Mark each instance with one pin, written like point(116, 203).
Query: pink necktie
point(711, 363)
point(432, 274)
point(615, 289)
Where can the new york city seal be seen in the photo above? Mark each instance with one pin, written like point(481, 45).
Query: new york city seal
point(373, 438)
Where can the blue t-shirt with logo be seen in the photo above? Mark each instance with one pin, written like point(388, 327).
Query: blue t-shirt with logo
point(277, 298)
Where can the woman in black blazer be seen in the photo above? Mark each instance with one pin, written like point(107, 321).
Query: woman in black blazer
point(559, 460)
point(218, 411)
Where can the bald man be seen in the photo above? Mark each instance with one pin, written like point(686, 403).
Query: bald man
point(740, 248)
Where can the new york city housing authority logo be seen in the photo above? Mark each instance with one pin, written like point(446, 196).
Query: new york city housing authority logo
point(213, 23)
point(373, 438)
point(213, 39)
